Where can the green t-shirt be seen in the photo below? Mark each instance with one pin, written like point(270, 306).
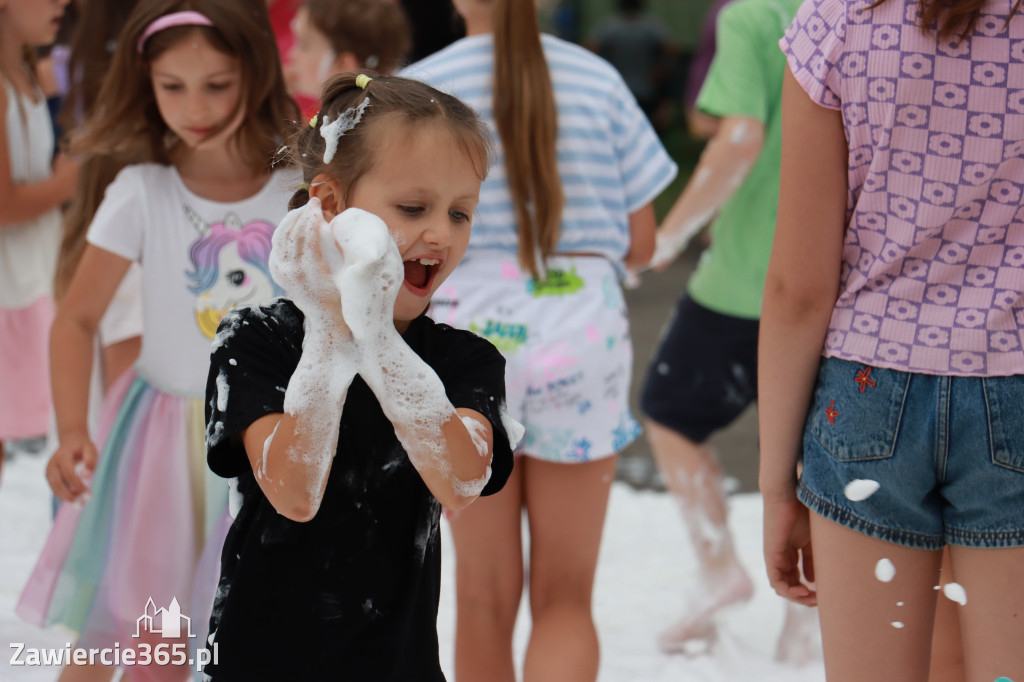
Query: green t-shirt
point(745, 80)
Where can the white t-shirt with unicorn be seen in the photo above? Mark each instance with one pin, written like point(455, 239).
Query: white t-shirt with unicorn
point(199, 259)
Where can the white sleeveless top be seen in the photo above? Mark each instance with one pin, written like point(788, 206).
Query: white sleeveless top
point(28, 251)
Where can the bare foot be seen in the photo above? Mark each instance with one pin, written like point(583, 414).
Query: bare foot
point(724, 589)
point(800, 639)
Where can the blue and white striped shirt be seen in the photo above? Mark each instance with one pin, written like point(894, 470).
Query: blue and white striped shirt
point(610, 160)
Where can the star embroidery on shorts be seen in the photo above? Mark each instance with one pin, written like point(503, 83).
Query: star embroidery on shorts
point(864, 379)
point(831, 412)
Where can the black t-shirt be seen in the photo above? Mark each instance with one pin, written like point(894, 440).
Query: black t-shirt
point(351, 594)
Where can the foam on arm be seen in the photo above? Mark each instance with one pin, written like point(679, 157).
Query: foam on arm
point(291, 453)
point(722, 169)
point(439, 444)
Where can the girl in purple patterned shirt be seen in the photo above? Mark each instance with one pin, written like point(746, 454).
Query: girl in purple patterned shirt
point(891, 356)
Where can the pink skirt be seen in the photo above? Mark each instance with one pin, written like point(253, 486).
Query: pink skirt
point(150, 537)
point(25, 370)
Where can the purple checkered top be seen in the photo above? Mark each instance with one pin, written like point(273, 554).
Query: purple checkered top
point(933, 259)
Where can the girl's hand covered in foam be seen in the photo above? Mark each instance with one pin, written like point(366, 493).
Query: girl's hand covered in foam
point(302, 259)
point(368, 275)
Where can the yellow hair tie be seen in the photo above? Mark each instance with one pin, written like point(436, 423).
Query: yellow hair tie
point(362, 80)
point(312, 121)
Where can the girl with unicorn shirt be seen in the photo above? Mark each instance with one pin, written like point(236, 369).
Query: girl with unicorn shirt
point(196, 93)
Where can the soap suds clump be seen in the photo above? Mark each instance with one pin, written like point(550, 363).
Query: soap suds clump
point(885, 571)
point(860, 489)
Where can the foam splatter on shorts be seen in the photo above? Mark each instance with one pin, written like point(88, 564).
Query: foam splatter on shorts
point(567, 345)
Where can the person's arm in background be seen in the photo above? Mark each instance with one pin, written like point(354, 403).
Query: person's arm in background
point(24, 202)
point(721, 170)
point(799, 295)
point(642, 226)
point(742, 94)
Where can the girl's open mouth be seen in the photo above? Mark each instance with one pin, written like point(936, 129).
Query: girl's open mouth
point(420, 273)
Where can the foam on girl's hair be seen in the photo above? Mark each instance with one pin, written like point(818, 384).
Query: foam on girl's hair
point(332, 130)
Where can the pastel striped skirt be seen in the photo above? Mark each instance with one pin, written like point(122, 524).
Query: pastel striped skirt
point(151, 534)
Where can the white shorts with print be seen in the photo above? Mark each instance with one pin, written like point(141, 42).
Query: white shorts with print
point(567, 346)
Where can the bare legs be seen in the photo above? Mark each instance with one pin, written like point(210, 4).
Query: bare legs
point(489, 582)
point(947, 650)
point(858, 611)
point(694, 479)
point(992, 620)
point(565, 505)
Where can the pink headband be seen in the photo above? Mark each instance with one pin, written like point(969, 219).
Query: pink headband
point(189, 18)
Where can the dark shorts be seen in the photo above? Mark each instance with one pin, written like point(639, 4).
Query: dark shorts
point(703, 374)
point(946, 454)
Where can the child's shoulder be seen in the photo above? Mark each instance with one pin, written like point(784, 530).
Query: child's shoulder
point(147, 174)
point(278, 317)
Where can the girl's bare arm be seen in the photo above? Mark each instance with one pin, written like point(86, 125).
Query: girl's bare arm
point(25, 202)
point(800, 292)
point(71, 355)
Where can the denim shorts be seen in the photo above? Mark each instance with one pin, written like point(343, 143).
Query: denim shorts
point(946, 451)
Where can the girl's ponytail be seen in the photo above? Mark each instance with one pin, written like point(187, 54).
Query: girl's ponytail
point(527, 121)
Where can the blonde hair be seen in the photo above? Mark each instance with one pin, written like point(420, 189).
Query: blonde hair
point(527, 122)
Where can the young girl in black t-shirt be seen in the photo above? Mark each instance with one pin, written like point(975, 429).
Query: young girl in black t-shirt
point(346, 415)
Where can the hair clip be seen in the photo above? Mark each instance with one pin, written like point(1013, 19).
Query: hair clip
point(312, 121)
point(304, 185)
point(362, 80)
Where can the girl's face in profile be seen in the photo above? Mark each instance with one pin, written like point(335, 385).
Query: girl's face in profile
point(425, 186)
point(311, 60)
point(196, 88)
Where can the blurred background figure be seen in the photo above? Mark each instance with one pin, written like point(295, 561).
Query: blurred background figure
point(566, 209)
point(642, 49)
point(703, 376)
point(334, 36)
point(33, 186)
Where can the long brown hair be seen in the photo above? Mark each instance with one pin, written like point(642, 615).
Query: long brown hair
point(93, 41)
point(391, 100)
point(127, 120)
point(96, 172)
point(527, 121)
point(953, 17)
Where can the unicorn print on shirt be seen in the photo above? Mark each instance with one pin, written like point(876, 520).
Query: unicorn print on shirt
point(230, 267)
